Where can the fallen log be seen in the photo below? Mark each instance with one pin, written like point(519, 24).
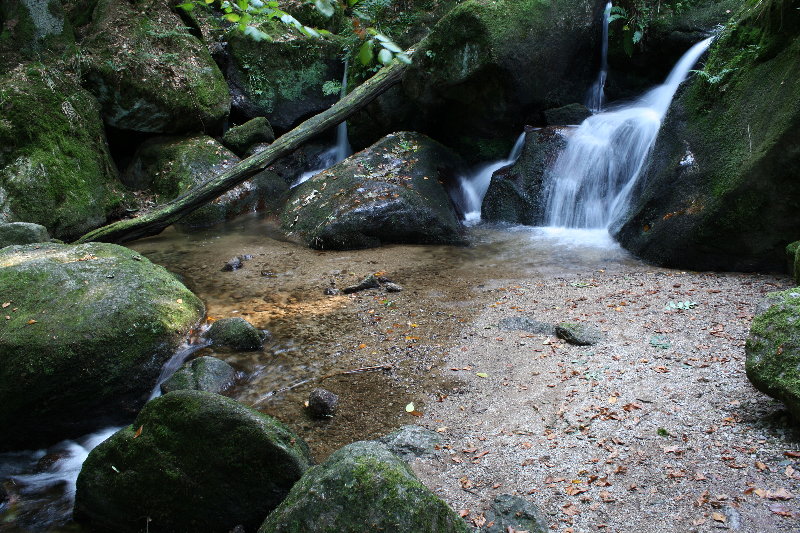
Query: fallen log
point(154, 222)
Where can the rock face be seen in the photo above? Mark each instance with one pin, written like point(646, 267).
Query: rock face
point(22, 233)
point(205, 373)
point(505, 61)
point(149, 73)
point(32, 28)
point(170, 166)
point(362, 487)
point(512, 513)
point(773, 349)
point(281, 79)
point(90, 328)
point(515, 192)
point(55, 169)
point(201, 462)
point(721, 189)
point(391, 192)
point(236, 333)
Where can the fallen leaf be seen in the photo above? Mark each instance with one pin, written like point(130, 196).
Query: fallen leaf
point(482, 375)
point(463, 513)
point(606, 496)
point(719, 517)
point(479, 521)
point(780, 509)
point(761, 466)
point(631, 406)
point(6, 304)
point(179, 300)
point(779, 494)
point(612, 399)
point(138, 432)
point(791, 454)
point(415, 413)
point(361, 346)
point(661, 369)
point(573, 490)
point(31, 321)
point(570, 509)
point(410, 407)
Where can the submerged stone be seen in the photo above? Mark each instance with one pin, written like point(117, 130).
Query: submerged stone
point(191, 461)
point(773, 349)
point(236, 333)
point(362, 487)
point(205, 373)
point(89, 328)
point(392, 192)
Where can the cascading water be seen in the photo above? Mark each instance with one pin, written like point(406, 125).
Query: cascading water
point(590, 181)
point(596, 97)
point(472, 188)
point(336, 153)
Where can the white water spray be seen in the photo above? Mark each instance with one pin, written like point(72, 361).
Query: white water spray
point(473, 187)
point(590, 182)
point(596, 97)
point(336, 153)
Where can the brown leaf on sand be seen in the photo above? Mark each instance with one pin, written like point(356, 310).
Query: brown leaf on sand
point(761, 466)
point(463, 513)
point(779, 494)
point(780, 509)
point(479, 521)
point(570, 509)
point(719, 517)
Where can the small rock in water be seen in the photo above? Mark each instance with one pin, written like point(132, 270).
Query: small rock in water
point(232, 264)
point(322, 403)
point(579, 334)
point(512, 513)
point(370, 282)
point(332, 291)
point(236, 333)
point(269, 274)
point(392, 287)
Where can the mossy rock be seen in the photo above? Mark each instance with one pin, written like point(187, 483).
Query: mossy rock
point(22, 233)
point(506, 61)
point(236, 333)
point(793, 260)
point(241, 138)
point(191, 461)
point(362, 487)
point(515, 192)
point(55, 168)
point(150, 73)
point(205, 373)
point(170, 166)
point(773, 349)
point(90, 327)
point(33, 30)
point(392, 192)
point(721, 190)
point(282, 79)
point(568, 115)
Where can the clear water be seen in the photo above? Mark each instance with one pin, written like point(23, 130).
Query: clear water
point(596, 97)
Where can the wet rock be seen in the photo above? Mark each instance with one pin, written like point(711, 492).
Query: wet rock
point(241, 138)
point(22, 233)
point(773, 349)
point(322, 403)
point(55, 167)
point(205, 373)
point(568, 115)
point(236, 333)
point(711, 199)
point(369, 282)
point(93, 325)
point(515, 191)
point(512, 513)
point(233, 264)
point(391, 192)
point(411, 441)
point(520, 323)
point(392, 287)
point(177, 87)
point(234, 463)
point(332, 497)
point(579, 334)
point(332, 291)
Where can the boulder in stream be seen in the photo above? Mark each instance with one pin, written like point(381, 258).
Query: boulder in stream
point(236, 333)
point(191, 461)
point(84, 332)
point(205, 373)
point(773, 349)
point(392, 192)
point(362, 487)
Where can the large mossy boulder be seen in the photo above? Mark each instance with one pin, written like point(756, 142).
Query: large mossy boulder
point(488, 68)
point(721, 190)
point(22, 233)
point(191, 461)
point(32, 29)
point(283, 78)
point(392, 192)
point(55, 168)
point(170, 166)
point(515, 192)
point(84, 334)
point(150, 73)
point(362, 487)
point(773, 349)
point(205, 373)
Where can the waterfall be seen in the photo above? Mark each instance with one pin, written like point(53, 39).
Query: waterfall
point(596, 97)
point(473, 187)
point(339, 151)
point(591, 180)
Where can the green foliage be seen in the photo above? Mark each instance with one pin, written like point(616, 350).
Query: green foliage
point(331, 87)
point(660, 341)
point(630, 19)
point(680, 306)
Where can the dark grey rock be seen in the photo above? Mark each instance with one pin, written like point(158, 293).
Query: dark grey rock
point(392, 287)
point(369, 282)
point(232, 264)
point(579, 334)
point(568, 115)
point(322, 403)
point(332, 291)
point(411, 441)
point(521, 323)
point(236, 333)
point(195, 461)
point(205, 373)
point(241, 138)
point(22, 233)
point(512, 512)
point(362, 487)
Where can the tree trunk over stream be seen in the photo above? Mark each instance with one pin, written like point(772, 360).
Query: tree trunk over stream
point(154, 222)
